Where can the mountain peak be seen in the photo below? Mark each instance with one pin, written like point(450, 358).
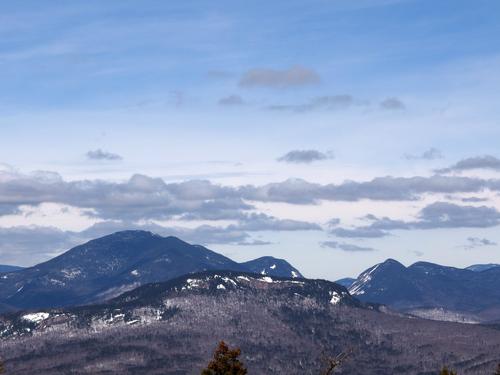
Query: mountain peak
point(390, 264)
point(429, 268)
point(130, 233)
point(391, 261)
point(124, 235)
point(431, 290)
point(365, 279)
point(268, 265)
point(482, 267)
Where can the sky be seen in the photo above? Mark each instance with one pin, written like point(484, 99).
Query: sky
point(333, 134)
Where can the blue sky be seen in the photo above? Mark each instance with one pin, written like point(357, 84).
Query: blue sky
point(251, 127)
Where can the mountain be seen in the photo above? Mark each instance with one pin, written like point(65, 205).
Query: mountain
point(346, 282)
point(272, 266)
point(482, 267)
point(108, 266)
point(283, 326)
point(432, 291)
point(4, 268)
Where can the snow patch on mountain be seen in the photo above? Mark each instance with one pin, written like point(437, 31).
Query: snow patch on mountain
point(71, 273)
point(335, 298)
point(36, 317)
point(267, 279)
point(364, 278)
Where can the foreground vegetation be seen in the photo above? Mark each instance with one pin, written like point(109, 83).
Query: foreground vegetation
point(226, 362)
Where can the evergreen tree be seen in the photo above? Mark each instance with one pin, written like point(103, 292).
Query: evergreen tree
point(225, 362)
point(445, 371)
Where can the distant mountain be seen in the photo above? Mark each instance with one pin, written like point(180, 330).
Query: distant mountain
point(272, 266)
point(108, 266)
point(432, 291)
point(482, 267)
point(283, 326)
point(346, 282)
point(5, 268)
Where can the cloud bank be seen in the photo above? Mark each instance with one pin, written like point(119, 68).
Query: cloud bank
point(433, 216)
point(209, 213)
point(478, 162)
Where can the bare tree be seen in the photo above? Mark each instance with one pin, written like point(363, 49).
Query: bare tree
point(333, 362)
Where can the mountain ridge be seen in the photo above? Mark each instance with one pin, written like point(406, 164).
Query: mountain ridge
point(428, 289)
point(108, 266)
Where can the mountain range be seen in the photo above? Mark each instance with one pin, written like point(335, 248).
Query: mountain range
point(111, 265)
point(106, 267)
point(134, 302)
point(282, 325)
point(433, 291)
